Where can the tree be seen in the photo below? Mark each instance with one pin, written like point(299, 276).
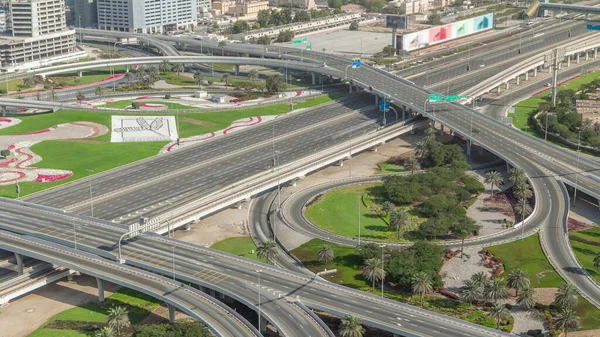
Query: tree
point(421, 149)
point(354, 25)
point(222, 45)
point(517, 279)
point(522, 208)
point(240, 26)
point(199, 77)
point(434, 19)
point(5, 153)
point(165, 66)
point(373, 270)
point(99, 91)
point(522, 190)
point(471, 291)
point(421, 284)
point(325, 254)
point(136, 105)
point(80, 96)
point(351, 326)
point(480, 280)
point(494, 179)
point(285, 36)
point(412, 164)
point(225, 78)
point(368, 251)
point(597, 260)
point(498, 313)
point(274, 83)
point(463, 228)
point(106, 331)
point(178, 68)
point(516, 175)
point(28, 82)
point(267, 250)
point(566, 319)
point(429, 134)
point(153, 73)
point(128, 76)
point(566, 296)
point(388, 207)
point(253, 75)
point(527, 297)
point(118, 318)
point(399, 220)
point(495, 289)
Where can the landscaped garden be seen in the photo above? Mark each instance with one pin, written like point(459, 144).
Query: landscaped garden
point(586, 246)
point(99, 153)
point(241, 246)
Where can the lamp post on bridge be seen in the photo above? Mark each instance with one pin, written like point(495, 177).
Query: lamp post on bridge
point(89, 171)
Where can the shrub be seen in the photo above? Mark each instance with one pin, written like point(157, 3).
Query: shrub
point(5, 153)
point(136, 105)
point(167, 96)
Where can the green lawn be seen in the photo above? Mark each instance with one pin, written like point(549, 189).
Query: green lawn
point(100, 155)
point(139, 306)
point(523, 110)
point(585, 252)
point(13, 86)
point(127, 103)
point(387, 168)
point(90, 76)
point(528, 255)
point(173, 79)
point(240, 246)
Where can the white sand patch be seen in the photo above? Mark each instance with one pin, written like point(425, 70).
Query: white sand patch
point(143, 129)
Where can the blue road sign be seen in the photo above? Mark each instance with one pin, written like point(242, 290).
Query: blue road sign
point(355, 63)
point(384, 105)
point(593, 27)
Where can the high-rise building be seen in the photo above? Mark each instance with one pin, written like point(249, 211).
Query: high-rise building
point(37, 36)
point(146, 16)
point(85, 14)
point(203, 7)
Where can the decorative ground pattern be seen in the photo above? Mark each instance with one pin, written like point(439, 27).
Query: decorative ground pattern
point(18, 166)
point(6, 122)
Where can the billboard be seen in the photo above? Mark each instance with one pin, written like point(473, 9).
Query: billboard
point(396, 21)
point(444, 33)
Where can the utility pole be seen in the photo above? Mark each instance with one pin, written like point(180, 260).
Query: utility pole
point(553, 59)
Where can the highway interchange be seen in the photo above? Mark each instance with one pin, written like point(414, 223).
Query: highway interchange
point(455, 116)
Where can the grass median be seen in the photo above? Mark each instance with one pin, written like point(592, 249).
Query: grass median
point(127, 103)
point(100, 154)
point(242, 246)
point(585, 245)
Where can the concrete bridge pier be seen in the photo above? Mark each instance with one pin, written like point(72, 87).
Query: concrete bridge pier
point(499, 89)
point(568, 59)
point(517, 79)
point(469, 148)
point(595, 52)
point(100, 283)
point(3, 109)
point(587, 55)
point(80, 74)
point(535, 72)
point(212, 292)
point(376, 100)
point(526, 76)
point(350, 86)
point(238, 205)
point(236, 70)
point(341, 163)
point(187, 226)
point(507, 85)
point(171, 313)
point(578, 58)
point(19, 259)
point(263, 324)
point(374, 148)
point(312, 75)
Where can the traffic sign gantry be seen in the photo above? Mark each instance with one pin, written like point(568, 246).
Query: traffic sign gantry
point(435, 98)
point(308, 47)
point(305, 40)
point(593, 27)
point(356, 62)
point(296, 41)
point(384, 105)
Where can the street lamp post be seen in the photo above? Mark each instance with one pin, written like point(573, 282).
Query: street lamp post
point(91, 195)
point(359, 202)
point(577, 169)
point(382, 269)
point(173, 247)
point(74, 236)
point(258, 272)
point(112, 73)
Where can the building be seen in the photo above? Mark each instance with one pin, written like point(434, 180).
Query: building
point(305, 4)
point(37, 37)
point(85, 14)
point(146, 16)
point(353, 8)
point(203, 8)
point(416, 6)
point(243, 10)
point(3, 26)
point(441, 3)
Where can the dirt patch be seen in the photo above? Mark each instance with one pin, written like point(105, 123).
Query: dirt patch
point(545, 296)
point(588, 333)
point(576, 225)
point(499, 203)
point(196, 121)
point(85, 141)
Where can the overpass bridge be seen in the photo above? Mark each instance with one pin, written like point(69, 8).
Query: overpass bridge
point(536, 8)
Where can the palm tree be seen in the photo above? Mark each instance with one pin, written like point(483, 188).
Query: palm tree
point(421, 284)
point(104, 332)
point(496, 289)
point(351, 326)
point(325, 254)
point(522, 208)
point(80, 96)
point(165, 66)
point(498, 312)
point(421, 149)
point(199, 77)
point(399, 220)
point(373, 270)
point(412, 164)
point(154, 73)
point(429, 134)
point(566, 296)
point(517, 175)
point(518, 279)
point(28, 82)
point(225, 78)
point(527, 297)
point(522, 190)
point(267, 250)
point(388, 207)
point(471, 291)
point(222, 45)
point(495, 179)
point(118, 318)
point(128, 76)
point(178, 68)
point(567, 319)
point(480, 280)
point(99, 91)
point(597, 260)
point(147, 82)
point(253, 75)
point(54, 96)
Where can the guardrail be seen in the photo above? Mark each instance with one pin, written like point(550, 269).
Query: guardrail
point(34, 283)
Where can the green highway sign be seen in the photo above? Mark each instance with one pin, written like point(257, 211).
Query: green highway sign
point(435, 98)
point(308, 47)
point(305, 40)
point(451, 98)
point(296, 41)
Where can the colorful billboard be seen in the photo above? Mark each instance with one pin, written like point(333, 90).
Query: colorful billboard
point(444, 33)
